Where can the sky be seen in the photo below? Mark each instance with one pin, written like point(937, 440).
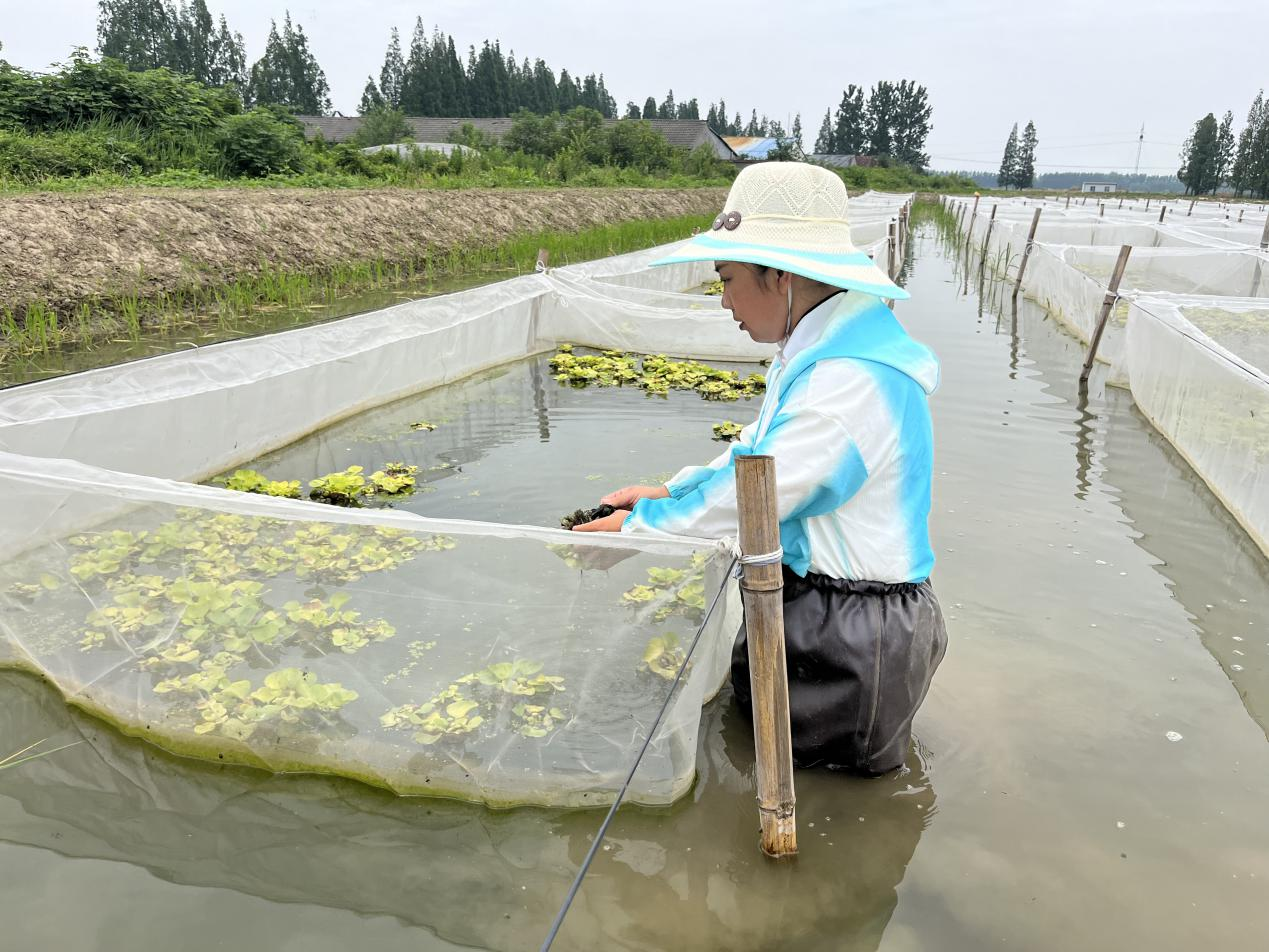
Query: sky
point(1089, 74)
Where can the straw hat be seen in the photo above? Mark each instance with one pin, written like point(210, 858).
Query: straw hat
point(790, 216)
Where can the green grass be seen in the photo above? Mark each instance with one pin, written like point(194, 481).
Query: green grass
point(38, 327)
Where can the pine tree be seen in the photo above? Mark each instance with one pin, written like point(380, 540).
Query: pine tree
point(228, 66)
point(196, 36)
point(824, 139)
point(753, 129)
point(632, 111)
point(392, 73)
point(288, 74)
point(797, 131)
point(667, 108)
point(850, 128)
point(1026, 157)
point(736, 126)
point(414, 73)
point(1007, 177)
point(649, 108)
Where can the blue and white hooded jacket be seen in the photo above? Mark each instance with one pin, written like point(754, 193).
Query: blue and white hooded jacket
point(846, 417)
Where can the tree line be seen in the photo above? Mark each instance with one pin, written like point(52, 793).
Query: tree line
point(1017, 165)
point(1212, 157)
point(892, 121)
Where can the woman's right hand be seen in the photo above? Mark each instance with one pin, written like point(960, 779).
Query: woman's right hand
point(627, 496)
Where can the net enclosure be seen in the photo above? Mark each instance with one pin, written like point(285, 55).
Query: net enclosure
point(501, 663)
point(1188, 331)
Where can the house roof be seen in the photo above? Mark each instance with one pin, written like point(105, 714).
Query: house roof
point(683, 133)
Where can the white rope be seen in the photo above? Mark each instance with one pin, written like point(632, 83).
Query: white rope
point(766, 558)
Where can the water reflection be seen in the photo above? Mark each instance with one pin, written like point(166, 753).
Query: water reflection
point(693, 877)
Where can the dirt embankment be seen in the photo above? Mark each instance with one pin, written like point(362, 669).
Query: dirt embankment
point(63, 249)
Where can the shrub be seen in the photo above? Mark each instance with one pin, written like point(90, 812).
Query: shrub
point(69, 154)
point(633, 143)
point(382, 126)
point(258, 143)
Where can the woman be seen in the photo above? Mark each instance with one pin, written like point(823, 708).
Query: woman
point(846, 418)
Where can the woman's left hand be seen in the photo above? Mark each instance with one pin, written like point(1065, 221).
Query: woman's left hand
point(612, 523)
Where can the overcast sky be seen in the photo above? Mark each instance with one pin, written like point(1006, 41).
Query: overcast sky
point(1088, 73)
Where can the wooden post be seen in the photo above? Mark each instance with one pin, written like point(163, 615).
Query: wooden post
point(891, 241)
point(1121, 203)
point(1068, 201)
point(1147, 204)
point(1240, 215)
point(991, 223)
point(1191, 211)
point(762, 588)
point(543, 257)
point(1101, 210)
point(1022, 266)
point(1112, 295)
point(1162, 211)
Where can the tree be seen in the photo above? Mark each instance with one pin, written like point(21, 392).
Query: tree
point(371, 98)
point(649, 108)
point(1244, 160)
point(667, 109)
point(381, 126)
point(228, 66)
point(1026, 157)
point(632, 111)
point(910, 124)
point(850, 130)
point(1198, 157)
point(824, 139)
point(882, 101)
point(1008, 174)
point(288, 74)
point(753, 129)
point(1224, 150)
point(797, 131)
point(392, 73)
point(137, 33)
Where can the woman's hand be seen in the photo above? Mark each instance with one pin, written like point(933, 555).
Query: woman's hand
point(612, 523)
point(626, 497)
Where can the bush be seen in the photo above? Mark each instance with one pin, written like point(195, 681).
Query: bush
point(258, 143)
point(634, 144)
point(69, 154)
point(382, 126)
point(533, 135)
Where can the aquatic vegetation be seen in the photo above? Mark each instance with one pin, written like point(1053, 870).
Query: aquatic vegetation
point(423, 425)
point(29, 753)
point(579, 517)
point(249, 481)
point(471, 700)
point(395, 479)
point(664, 656)
point(673, 591)
point(714, 288)
point(339, 489)
point(727, 431)
point(655, 374)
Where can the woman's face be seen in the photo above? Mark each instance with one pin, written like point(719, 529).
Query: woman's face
point(758, 302)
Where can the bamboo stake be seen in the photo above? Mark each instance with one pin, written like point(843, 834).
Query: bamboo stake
point(1112, 295)
point(1191, 211)
point(1162, 211)
point(1068, 201)
point(1022, 266)
point(1264, 237)
point(1121, 203)
point(991, 223)
point(1101, 210)
point(543, 257)
point(762, 588)
point(1147, 204)
point(891, 241)
point(1240, 216)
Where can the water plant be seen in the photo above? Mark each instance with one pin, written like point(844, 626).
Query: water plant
point(727, 431)
point(656, 374)
point(249, 481)
point(714, 288)
point(29, 753)
point(664, 656)
point(673, 591)
point(580, 517)
point(339, 489)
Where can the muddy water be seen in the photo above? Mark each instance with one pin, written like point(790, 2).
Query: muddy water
point(1090, 770)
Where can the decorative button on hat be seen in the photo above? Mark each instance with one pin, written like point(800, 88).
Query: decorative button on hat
point(794, 217)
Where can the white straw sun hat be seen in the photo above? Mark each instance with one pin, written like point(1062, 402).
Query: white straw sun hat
point(790, 216)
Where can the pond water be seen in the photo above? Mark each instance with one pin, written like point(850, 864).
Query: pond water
point(513, 445)
point(1090, 769)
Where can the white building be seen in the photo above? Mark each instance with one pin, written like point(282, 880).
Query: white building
point(1099, 187)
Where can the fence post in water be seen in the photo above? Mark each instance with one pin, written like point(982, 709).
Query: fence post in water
point(1147, 204)
point(1108, 302)
point(543, 257)
point(891, 242)
point(1162, 211)
point(1240, 215)
point(763, 590)
point(991, 222)
point(1101, 210)
point(1022, 265)
point(1068, 201)
point(1191, 211)
point(1264, 237)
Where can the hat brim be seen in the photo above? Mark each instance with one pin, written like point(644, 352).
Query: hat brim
point(852, 270)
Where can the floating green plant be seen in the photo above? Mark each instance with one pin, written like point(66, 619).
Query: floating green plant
point(664, 656)
point(727, 431)
point(423, 425)
point(656, 374)
point(339, 489)
point(673, 591)
point(715, 288)
point(249, 481)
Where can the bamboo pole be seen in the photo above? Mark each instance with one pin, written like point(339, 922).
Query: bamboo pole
point(1108, 302)
point(1264, 236)
point(1022, 266)
point(1147, 204)
point(1162, 211)
point(1121, 203)
point(1068, 201)
point(543, 257)
point(891, 242)
point(1101, 210)
point(1240, 216)
point(1191, 211)
point(762, 588)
